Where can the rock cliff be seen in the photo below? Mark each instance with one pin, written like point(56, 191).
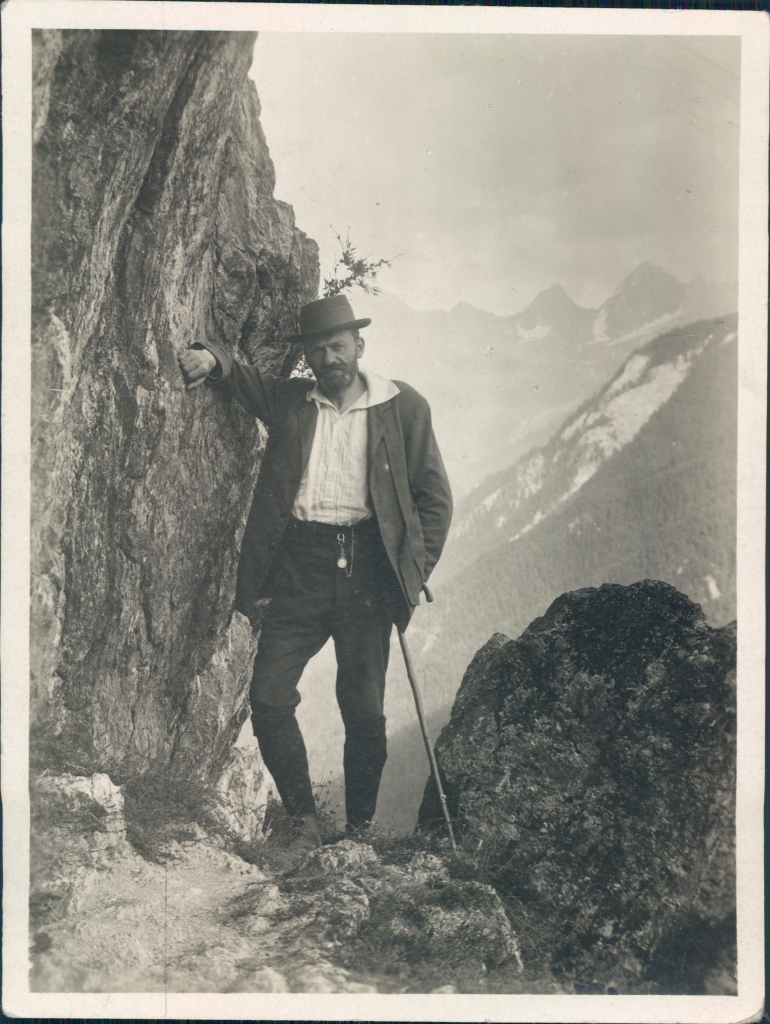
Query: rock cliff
point(154, 226)
point(591, 764)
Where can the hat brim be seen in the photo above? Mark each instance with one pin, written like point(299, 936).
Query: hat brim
point(352, 325)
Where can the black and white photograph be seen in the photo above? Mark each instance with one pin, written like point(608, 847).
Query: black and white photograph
point(384, 512)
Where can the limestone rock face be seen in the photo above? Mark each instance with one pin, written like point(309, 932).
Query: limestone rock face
point(241, 793)
point(592, 760)
point(154, 227)
point(94, 798)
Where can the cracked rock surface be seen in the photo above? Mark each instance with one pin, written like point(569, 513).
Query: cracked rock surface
point(154, 227)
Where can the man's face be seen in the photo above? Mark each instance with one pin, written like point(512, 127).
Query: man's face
point(333, 358)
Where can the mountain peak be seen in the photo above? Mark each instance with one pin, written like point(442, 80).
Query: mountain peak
point(646, 295)
point(557, 291)
point(554, 295)
point(550, 306)
point(464, 312)
point(644, 273)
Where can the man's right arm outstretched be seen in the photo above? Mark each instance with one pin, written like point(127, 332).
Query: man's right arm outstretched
point(254, 390)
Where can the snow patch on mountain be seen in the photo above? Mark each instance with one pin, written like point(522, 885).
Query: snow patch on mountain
point(536, 333)
point(529, 480)
point(543, 480)
point(617, 422)
point(600, 333)
point(630, 374)
point(627, 405)
point(647, 329)
point(490, 499)
point(530, 475)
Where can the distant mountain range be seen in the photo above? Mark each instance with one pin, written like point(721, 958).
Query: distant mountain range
point(511, 503)
point(639, 482)
point(500, 385)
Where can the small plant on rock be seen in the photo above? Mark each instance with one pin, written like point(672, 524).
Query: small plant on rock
point(354, 271)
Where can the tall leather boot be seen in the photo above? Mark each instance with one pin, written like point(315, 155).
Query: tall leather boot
point(283, 751)
point(364, 758)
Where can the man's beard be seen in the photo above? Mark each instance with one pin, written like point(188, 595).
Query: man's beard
point(334, 379)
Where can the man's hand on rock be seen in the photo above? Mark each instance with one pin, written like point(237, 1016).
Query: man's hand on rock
point(196, 364)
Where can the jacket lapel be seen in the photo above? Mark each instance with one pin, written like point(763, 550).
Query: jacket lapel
point(376, 418)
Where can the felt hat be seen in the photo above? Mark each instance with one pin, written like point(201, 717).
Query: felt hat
point(333, 313)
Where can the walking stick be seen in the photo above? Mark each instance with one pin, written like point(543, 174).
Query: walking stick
point(424, 725)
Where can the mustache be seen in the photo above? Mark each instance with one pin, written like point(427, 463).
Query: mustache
point(341, 368)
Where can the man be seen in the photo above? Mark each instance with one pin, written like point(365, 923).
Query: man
point(349, 517)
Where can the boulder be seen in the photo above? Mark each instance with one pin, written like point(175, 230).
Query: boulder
point(154, 227)
point(591, 764)
point(77, 792)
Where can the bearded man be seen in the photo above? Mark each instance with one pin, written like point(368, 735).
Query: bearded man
point(350, 514)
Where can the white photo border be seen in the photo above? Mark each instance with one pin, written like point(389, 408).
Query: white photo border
point(19, 18)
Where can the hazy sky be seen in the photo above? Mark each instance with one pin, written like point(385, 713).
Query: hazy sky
point(499, 165)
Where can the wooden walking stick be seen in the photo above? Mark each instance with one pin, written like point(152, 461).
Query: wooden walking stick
point(424, 725)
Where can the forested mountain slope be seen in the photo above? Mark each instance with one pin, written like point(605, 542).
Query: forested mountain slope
point(639, 483)
point(515, 502)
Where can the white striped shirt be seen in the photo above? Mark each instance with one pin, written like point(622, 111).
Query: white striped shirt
point(334, 487)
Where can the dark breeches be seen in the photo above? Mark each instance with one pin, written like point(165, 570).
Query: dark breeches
point(312, 599)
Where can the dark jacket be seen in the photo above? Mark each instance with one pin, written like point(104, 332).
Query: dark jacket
point(408, 485)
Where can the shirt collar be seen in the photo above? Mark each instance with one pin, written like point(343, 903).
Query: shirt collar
point(378, 390)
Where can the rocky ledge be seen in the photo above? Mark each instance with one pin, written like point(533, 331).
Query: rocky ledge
point(204, 919)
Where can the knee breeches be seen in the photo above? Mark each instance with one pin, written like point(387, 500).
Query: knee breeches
point(312, 599)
